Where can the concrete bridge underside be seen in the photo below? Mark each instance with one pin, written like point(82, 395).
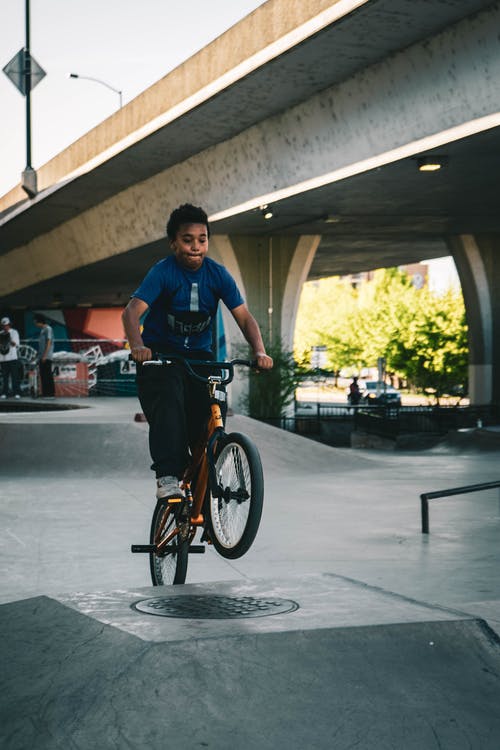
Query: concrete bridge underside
point(325, 126)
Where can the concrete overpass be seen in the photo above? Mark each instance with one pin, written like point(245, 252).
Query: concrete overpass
point(319, 109)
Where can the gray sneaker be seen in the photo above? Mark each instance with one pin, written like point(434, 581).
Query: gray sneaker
point(167, 487)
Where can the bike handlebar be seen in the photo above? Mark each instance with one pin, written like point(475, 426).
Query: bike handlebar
point(167, 359)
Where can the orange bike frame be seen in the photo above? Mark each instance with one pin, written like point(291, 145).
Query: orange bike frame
point(199, 467)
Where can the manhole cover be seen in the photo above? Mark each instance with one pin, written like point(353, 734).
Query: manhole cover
point(214, 607)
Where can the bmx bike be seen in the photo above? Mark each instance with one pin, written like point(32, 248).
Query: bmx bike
point(223, 487)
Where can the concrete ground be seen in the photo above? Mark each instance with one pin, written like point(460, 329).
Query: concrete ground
point(340, 535)
point(77, 491)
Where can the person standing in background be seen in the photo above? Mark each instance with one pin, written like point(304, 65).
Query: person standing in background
point(45, 354)
point(354, 392)
point(9, 345)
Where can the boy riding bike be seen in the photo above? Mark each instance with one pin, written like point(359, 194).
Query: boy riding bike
point(180, 295)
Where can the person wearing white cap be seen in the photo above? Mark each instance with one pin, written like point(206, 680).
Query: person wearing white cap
point(9, 344)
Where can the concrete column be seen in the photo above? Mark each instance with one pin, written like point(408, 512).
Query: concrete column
point(300, 265)
point(480, 278)
point(221, 250)
point(273, 269)
point(270, 271)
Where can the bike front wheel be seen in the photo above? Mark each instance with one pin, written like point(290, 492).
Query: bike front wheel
point(170, 565)
point(235, 504)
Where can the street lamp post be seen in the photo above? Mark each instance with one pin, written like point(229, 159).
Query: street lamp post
point(97, 80)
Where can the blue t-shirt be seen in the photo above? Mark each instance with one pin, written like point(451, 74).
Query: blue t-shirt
point(183, 304)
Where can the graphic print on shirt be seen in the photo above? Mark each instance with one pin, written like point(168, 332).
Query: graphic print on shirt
point(191, 322)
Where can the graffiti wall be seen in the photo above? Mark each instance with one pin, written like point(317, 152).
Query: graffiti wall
point(78, 323)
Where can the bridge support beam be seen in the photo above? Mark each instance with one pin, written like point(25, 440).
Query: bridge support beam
point(476, 258)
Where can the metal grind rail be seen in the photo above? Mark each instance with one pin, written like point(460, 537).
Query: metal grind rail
point(426, 496)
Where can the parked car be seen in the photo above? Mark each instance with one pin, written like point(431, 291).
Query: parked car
point(377, 392)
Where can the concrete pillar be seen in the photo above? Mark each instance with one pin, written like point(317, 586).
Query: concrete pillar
point(300, 264)
point(480, 278)
point(270, 271)
point(222, 251)
point(273, 269)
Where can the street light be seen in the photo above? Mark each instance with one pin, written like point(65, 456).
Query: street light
point(97, 80)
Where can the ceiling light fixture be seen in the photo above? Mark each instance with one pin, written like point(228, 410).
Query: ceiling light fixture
point(430, 163)
point(266, 211)
point(331, 219)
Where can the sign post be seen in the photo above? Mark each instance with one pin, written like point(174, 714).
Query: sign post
point(25, 73)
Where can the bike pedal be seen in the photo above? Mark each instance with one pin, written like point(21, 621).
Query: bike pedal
point(205, 537)
point(142, 548)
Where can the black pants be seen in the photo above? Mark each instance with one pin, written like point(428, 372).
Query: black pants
point(177, 408)
point(46, 377)
point(10, 369)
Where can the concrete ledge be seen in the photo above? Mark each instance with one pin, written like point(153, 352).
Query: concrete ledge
point(467, 440)
point(481, 439)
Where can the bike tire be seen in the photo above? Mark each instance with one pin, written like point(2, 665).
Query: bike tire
point(169, 568)
point(234, 517)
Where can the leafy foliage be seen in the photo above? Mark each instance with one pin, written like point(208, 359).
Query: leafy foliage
point(421, 334)
point(433, 352)
point(271, 391)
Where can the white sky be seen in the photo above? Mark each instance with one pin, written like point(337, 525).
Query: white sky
point(129, 44)
point(442, 274)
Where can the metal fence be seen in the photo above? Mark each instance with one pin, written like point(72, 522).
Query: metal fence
point(390, 421)
point(334, 423)
point(81, 367)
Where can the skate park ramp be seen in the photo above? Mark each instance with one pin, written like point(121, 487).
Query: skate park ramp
point(471, 439)
point(74, 449)
point(76, 675)
point(352, 666)
point(86, 444)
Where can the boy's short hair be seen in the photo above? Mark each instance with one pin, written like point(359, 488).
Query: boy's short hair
point(186, 214)
point(39, 318)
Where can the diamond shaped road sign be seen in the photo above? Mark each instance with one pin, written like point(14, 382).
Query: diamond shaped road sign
point(17, 68)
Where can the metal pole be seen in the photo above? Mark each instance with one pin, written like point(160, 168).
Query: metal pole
point(270, 308)
point(29, 182)
point(424, 513)
point(98, 80)
point(27, 74)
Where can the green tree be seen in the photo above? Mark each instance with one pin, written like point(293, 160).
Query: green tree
point(433, 349)
point(326, 307)
point(421, 334)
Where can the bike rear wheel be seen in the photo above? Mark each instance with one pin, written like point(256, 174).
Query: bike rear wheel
point(235, 505)
point(170, 566)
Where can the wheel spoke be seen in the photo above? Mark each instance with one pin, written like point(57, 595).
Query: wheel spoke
point(230, 512)
point(169, 566)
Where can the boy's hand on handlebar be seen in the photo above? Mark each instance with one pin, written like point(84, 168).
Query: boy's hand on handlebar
point(141, 353)
point(263, 362)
